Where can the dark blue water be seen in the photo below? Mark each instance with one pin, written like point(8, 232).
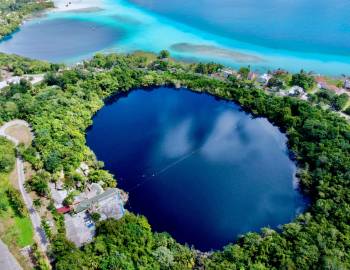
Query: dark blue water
point(196, 167)
point(60, 39)
point(318, 26)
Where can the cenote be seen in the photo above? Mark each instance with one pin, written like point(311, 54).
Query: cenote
point(197, 167)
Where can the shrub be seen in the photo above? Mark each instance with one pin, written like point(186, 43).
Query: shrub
point(95, 216)
point(7, 155)
point(16, 202)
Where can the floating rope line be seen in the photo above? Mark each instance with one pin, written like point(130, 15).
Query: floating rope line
point(166, 168)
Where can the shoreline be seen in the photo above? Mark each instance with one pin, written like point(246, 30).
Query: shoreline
point(195, 47)
point(77, 5)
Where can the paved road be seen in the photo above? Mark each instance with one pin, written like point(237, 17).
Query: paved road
point(34, 216)
point(7, 260)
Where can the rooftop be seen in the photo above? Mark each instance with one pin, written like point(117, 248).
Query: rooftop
point(89, 203)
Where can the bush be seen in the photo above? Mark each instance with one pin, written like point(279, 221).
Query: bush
point(39, 183)
point(208, 68)
point(95, 216)
point(303, 80)
point(339, 102)
point(46, 227)
point(37, 203)
point(276, 82)
point(7, 155)
point(347, 111)
point(104, 176)
point(244, 72)
point(3, 203)
point(164, 54)
point(69, 199)
point(16, 202)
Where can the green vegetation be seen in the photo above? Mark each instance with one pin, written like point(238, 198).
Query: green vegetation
point(102, 175)
point(164, 54)
point(15, 200)
point(46, 227)
point(57, 217)
point(145, 250)
point(16, 228)
point(12, 13)
point(95, 216)
point(19, 65)
point(69, 199)
point(276, 82)
point(208, 68)
point(304, 80)
point(280, 80)
point(60, 110)
point(347, 111)
point(25, 235)
point(7, 157)
point(336, 102)
point(39, 183)
point(39, 259)
point(244, 72)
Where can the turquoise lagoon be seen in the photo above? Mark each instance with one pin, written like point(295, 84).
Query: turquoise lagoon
point(269, 34)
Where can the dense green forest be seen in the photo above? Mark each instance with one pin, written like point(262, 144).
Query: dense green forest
point(60, 110)
point(20, 65)
point(12, 13)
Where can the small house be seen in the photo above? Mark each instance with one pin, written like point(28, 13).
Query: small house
point(264, 79)
point(347, 84)
point(64, 209)
point(252, 76)
point(226, 72)
point(108, 204)
point(295, 91)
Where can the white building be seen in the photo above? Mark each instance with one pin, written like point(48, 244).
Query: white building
point(347, 84)
point(296, 91)
point(228, 72)
point(264, 79)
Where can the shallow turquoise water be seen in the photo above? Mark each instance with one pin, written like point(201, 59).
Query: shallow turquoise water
point(313, 26)
point(264, 34)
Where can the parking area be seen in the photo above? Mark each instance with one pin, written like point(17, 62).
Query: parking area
point(80, 228)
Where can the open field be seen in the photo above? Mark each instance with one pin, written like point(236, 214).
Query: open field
point(16, 232)
point(21, 133)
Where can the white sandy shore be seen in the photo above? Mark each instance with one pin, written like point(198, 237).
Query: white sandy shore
point(76, 5)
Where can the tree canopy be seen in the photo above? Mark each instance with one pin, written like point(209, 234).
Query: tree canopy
point(60, 110)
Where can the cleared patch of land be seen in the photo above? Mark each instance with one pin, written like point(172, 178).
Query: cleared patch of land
point(21, 133)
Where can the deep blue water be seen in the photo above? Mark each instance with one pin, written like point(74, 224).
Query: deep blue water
point(196, 167)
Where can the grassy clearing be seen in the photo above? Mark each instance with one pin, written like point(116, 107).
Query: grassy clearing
point(21, 133)
point(334, 81)
point(348, 104)
point(149, 55)
point(25, 236)
point(14, 230)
